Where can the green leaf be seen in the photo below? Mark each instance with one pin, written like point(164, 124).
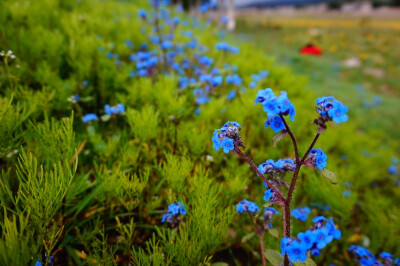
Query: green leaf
point(86, 99)
point(220, 264)
point(273, 256)
point(247, 237)
point(273, 232)
point(331, 176)
point(105, 118)
point(278, 137)
point(308, 262)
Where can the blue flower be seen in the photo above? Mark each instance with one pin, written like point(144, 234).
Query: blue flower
point(346, 193)
point(296, 251)
point(227, 145)
point(301, 213)
point(166, 45)
point(393, 170)
point(275, 106)
point(227, 48)
point(252, 84)
point(215, 81)
point(268, 194)
point(216, 141)
point(338, 112)
point(246, 206)
point(315, 252)
point(276, 168)
point(319, 219)
point(331, 109)
point(231, 95)
point(307, 238)
point(174, 210)
point(119, 108)
point(275, 123)
point(318, 158)
point(271, 108)
point(142, 13)
point(129, 43)
point(335, 233)
point(89, 117)
point(322, 237)
point(264, 96)
point(176, 20)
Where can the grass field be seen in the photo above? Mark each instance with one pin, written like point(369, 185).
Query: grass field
point(109, 153)
point(374, 42)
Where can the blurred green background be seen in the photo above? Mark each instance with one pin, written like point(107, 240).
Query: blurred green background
point(94, 194)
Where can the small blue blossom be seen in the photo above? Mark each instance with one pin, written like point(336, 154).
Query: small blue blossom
point(268, 194)
point(317, 158)
point(331, 109)
point(129, 43)
point(275, 123)
point(275, 106)
point(227, 48)
point(142, 13)
point(267, 217)
point(227, 145)
point(119, 108)
point(312, 240)
point(307, 238)
point(366, 258)
point(231, 95)
point(174, 211)
point(301, 213)
point(228, 137)
point(246, 206)
point(295, 249)
point(393, 170)
point(279, 167)
point(89, 117)
point(346, 193)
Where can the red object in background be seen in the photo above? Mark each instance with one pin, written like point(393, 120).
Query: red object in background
point(311, 49)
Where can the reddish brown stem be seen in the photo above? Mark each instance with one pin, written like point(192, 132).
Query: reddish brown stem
point(260, 233)
point(241, 154)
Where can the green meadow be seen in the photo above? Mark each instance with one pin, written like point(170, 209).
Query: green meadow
point(77, 193)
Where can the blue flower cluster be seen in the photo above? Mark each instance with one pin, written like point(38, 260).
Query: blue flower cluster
point(119, 108)
point(375, 102)
point(206, 6)
point(227, 136)
point(331, 109)
point(320, 206)
point(227, 48)
point(274, 107)
point(267, 217)
point(312, 240)
point(146, 63)
point(366, 258)
point(279, 167)
point(201, 95)
point(89, 117)
point(301, 213)
point(255, 78)
point(317, 158)
point(174, 211)
point(246, 206)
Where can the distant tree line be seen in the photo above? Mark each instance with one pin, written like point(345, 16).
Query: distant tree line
point(336, 4)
